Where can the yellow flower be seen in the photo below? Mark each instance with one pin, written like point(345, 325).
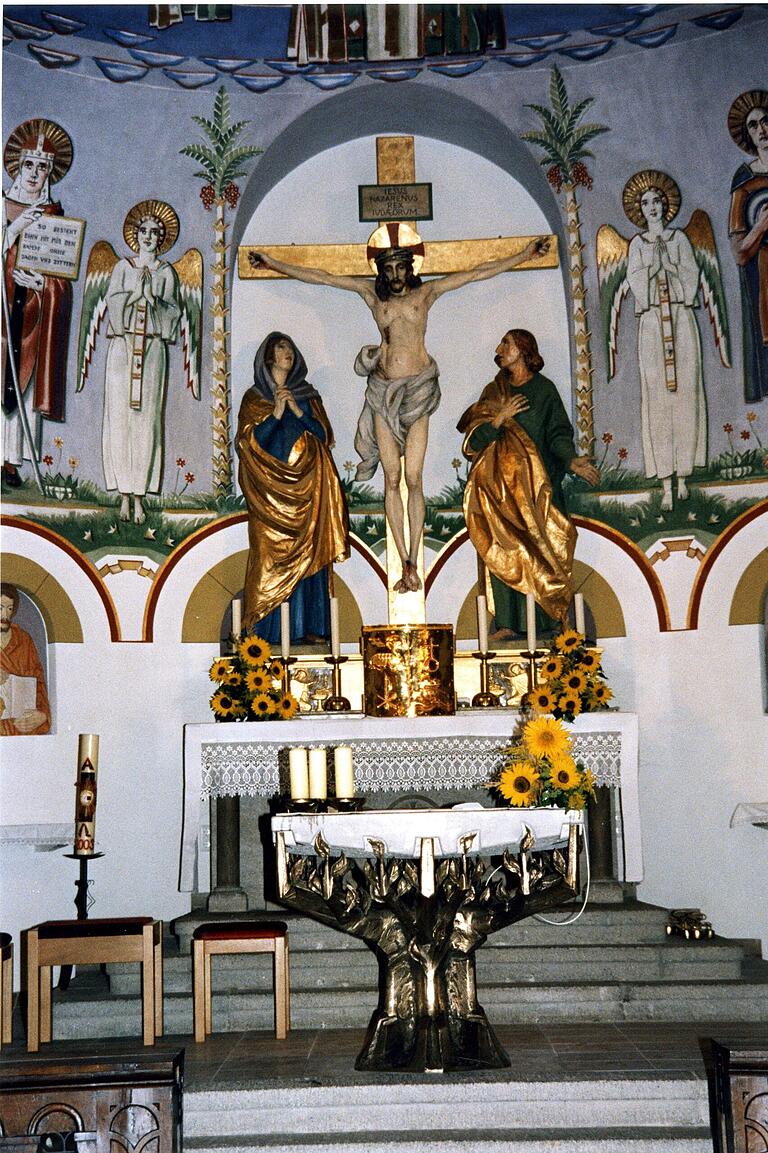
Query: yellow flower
point(254, 651)
point(224, 705)
point(233, 679)
point(564, 774)
point(574, 682)
point(276, 670)
point(263, 705)
point(552, 668)
point(602, 694)
point(519, 784)
point(588, 781)
point(577, 801)
point(568, 640)
point(588, 662)
point(546, 737)
point(287, 706)
point(542, 699)
point(570, 703)
point(220, 669)
point(257, 680)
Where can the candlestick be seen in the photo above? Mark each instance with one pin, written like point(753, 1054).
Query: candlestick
point(530, 620)
point(343, 772)
point(299, 774)
point(578, 606)
point(285, 630)
point(237, 616)
point(485, 699)
point(335, 649)
point(85, 795)
point(285, 680)
point(318, 780)
point(482, 624)
point(336, 703)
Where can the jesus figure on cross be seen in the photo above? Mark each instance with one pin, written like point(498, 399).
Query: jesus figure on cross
point(402, 390)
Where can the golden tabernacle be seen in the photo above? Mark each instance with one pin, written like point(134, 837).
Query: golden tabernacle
point(408, 670)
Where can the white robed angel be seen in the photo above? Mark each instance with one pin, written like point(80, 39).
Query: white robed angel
point(665, 269)
point(146, 301)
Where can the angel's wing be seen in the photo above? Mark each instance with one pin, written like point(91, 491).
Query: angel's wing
point(189, 270)
point(101, 260)
point(702, 238)
point(612, 253)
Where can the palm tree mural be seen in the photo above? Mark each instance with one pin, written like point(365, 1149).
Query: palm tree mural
point(221, 161)
point(563, 141)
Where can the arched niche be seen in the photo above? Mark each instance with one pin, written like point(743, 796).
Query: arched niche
point(213, 593)
point(62, 624)
point(748, 603)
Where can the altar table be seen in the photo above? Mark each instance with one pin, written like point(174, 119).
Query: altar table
point(478, 870)
point(394, 755)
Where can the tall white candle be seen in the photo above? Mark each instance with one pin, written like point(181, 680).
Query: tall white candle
point(334, 626)
point(530, 620)
point(299, 774)
point(482, 624)
point(343, 772)
point(578, 605)
point(318, 783)
point(285, 630)
point(237, 616)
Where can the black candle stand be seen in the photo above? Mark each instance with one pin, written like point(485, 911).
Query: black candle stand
point(81, 902)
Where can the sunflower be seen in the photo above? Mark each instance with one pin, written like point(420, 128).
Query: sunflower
point(546, 737)
point(542, 699)
point(574, 682)
point(223, 704)
point(588, 662)
point(588, 781)
point(519, 784)
point(568, 641)
point(577, 801)
point(552, 668)
point(564, 774)
point(257, 680)
point(276, 670)
point(602, 694)
point(220, 669)
point(254, 651)
point(570, 703)
point(233, 679)
point(262, 705)
point(287, 706)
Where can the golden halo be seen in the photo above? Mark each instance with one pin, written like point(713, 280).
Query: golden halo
point(158, 210)
point(738, 113)
point(395, 234)
point(640, 183)
point(54, 140)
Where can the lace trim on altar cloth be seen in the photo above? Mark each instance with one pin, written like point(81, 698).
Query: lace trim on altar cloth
point(394, 765)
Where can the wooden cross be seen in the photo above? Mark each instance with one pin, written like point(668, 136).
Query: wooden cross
point(396, 164)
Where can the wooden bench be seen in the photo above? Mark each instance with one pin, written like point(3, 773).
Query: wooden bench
point(240, 937)
point(95, 941)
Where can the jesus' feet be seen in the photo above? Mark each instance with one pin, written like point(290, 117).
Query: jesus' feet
point(409, 582)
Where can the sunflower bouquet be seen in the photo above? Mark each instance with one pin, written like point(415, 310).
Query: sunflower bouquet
point(539, 768)
point(571, 680)
point(249, 685)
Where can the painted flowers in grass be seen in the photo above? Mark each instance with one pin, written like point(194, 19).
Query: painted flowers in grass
point(249, 686)
point(571, 680)
point(539, 768)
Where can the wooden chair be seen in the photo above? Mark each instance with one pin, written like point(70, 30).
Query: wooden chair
point(93, 942)
point(6, 989)
point(240, 937)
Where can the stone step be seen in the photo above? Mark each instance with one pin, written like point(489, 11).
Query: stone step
point(672, 960)
point(120, 1016)
point(464, 1105)
point(613, 1140)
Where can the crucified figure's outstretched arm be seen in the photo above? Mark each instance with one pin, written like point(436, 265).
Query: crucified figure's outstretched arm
point(314, 275)
point(486, 270)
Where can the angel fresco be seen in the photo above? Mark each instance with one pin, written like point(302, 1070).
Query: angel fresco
point(665, 269)
point(146, 301)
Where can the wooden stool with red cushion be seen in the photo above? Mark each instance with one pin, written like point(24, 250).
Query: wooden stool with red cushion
point(240, 937)
point(96, 941)
point(6, 988)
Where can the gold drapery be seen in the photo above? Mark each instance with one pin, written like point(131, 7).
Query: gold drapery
point(297, 514)
point(519, 534)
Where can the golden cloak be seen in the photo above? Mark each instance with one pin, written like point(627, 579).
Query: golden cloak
point(517, 530)
point(297, 514)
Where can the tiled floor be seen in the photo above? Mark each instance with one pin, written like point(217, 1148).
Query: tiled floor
point(326, 1057)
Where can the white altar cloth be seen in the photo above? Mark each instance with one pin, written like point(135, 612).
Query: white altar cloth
point(401, 831)
point(399, 755)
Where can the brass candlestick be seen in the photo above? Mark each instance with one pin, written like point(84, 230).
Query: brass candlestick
point(533, 672)
point(336, 703)
point(286, 662)
point(484, 699)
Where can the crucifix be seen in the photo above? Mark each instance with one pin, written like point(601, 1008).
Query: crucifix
point(396, 434)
